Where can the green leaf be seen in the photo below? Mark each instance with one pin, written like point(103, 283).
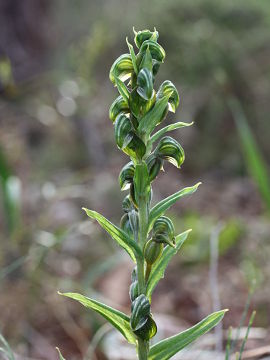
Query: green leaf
point(133, 56)
point(134, 146)
point(141, 183)
point(165, 349)
point(118, 319)
point(147, 61)
point(169, 149)
point(122, 89)
point(145, 84)
point(159, 267)
point(153, 117)
point(165, 204)
point(171, 127)
point(61, 357)
point(117, 234)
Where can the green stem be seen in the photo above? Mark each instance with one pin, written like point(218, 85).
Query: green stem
point(143, 345)
point(142, 349)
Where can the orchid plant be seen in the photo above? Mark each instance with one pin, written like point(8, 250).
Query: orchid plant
point(145, 233)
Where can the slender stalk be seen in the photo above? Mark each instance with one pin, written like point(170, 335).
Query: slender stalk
point(143, 345)
point(142, 349)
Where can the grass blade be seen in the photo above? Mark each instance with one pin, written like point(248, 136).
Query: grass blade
point(255, 161)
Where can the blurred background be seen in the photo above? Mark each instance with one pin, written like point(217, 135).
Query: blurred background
point(57, 154)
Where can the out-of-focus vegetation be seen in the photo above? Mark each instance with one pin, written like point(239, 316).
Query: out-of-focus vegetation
point(57, 155)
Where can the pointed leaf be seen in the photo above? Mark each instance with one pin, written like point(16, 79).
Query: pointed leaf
point(165, 204)
point(153, 117)
point(170, 127)
point(117, 234)
point(147, 61)
point(165, 349)
point(133, 56)
point(122, 89)
point(118, 319)
point(159, 267)
point(141, 183)
point(145, 84)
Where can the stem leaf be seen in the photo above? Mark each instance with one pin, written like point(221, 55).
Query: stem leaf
point(166, 348)
point(165, 204)
point(159, 267)
point(153, 117)
point(118, 319)
point(167, 128)
point(117, 234)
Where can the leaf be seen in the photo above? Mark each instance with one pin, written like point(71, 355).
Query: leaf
point(165, 204)
point(159, 267)
point(141, 183)
point(117, 234)
point(61, 357)
point(147, 61)
point(133, 56)
point(153, 117)
point(122, 89)
point(145, 84)
point(171, 127)
point(118, 319)
point(165, 349)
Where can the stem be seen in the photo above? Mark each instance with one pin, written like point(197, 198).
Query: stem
point(143, 223)
point(143, 346)
point(142, 349)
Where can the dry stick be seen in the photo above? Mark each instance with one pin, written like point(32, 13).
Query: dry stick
point(213, 278)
